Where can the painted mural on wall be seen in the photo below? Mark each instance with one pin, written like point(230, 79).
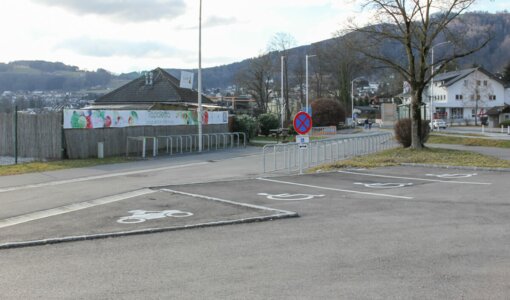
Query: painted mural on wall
point(81, 118)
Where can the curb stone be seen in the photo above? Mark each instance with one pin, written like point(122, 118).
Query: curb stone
point(457, 167)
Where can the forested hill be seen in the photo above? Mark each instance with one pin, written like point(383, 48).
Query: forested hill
point(42, 75)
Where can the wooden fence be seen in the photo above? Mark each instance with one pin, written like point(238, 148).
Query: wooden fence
point(39, 135)
point(82, 143)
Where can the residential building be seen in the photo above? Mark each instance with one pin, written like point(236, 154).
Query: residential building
point(462, 96)
point(465, 94)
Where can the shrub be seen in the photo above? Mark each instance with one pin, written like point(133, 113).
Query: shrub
point(246, 124)
point(327, 112)
point(403, 132)
point(505, 123)
point(267, 122)
point(292, 130)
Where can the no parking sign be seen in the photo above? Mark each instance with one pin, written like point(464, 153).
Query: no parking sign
point(302, 122)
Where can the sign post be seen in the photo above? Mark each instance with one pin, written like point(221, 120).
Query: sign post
point(302, 124)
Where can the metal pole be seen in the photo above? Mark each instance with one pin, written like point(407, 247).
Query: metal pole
point(432, 79)
point(306, 85)
point(16, 134)
point(352, 101)
point(281, 96)
point(431, 86)
point(199, 113)
point(307, 56)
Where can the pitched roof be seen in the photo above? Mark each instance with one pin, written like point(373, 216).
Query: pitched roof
point(164, 89)
point(450, 78)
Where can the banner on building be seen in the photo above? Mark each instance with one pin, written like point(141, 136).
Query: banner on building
point(186, 80)
point(81, 118)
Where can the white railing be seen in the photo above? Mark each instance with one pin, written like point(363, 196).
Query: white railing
point(170, 144)
point(293, 156)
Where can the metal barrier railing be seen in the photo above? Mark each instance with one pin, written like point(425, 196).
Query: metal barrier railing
point(289, 157)
point(182, 143)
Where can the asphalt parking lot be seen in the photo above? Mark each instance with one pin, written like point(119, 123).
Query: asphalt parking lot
point(399, 232)
point(400, 190)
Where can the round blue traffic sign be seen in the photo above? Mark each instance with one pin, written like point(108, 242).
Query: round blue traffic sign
point(302, 122)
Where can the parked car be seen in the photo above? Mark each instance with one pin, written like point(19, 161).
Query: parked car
point(438, 123)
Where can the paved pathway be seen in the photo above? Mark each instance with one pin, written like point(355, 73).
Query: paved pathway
point(501, 153)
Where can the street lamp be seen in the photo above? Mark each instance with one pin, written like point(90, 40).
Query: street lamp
point(199, 113)
point(282, 94)
point(306, 59)
point(432, 79)
point(352, 97)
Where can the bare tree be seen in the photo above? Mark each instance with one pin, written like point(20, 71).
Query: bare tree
point(414, 27)
point(280, 45)
point(257, 80)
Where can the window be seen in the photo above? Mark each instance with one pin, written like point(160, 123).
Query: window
point(473, 113)
point(492, 97)
point(458, 97)
point(457, 112)
point(478, 82)
point(465, 83)
point(485, 83)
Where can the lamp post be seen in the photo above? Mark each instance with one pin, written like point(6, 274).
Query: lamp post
point(352, 97)
point(199, 112)
point(282, 97)
point(432, 79)
point(306, 59)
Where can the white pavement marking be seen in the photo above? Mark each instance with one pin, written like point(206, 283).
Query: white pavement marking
point(386, 185)
point(289, 197)
point(413, 178)
point(279, 211)
point(333, 189)
point(60, 182)
point(452, 175)
point(72, 207)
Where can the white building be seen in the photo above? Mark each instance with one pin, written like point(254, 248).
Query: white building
point(461, 95)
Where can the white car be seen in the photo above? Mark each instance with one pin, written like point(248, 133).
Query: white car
point(438, 123)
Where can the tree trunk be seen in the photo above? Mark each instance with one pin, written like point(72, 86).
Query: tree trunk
point(416, 142)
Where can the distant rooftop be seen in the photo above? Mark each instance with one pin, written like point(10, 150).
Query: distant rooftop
point(157, 86)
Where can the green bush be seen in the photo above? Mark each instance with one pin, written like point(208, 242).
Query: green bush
point(327, 112)
point(403, 132)
point(505, 123)
point(246, 124)
point(267, 122)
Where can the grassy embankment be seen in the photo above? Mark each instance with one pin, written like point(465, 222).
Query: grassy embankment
point(440, 139)
point(58, 165)
point(432, 156)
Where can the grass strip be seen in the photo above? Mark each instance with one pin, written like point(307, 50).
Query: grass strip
point(437, 139)
point(433, 156)
point(33, 167)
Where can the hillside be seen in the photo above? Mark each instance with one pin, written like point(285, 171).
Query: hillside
point(41, 75)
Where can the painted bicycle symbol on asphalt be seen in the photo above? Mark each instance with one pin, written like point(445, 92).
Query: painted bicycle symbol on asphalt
point(289, 197)
point(453, 175)
point(387, 185)
point(139, 216)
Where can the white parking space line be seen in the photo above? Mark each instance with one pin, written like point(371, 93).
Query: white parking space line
point(72, 207)
point(414, 178)
point(75, 180)
point(334, 189)
point(279, 211)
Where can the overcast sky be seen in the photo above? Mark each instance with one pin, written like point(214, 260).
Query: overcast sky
point(135, 35)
